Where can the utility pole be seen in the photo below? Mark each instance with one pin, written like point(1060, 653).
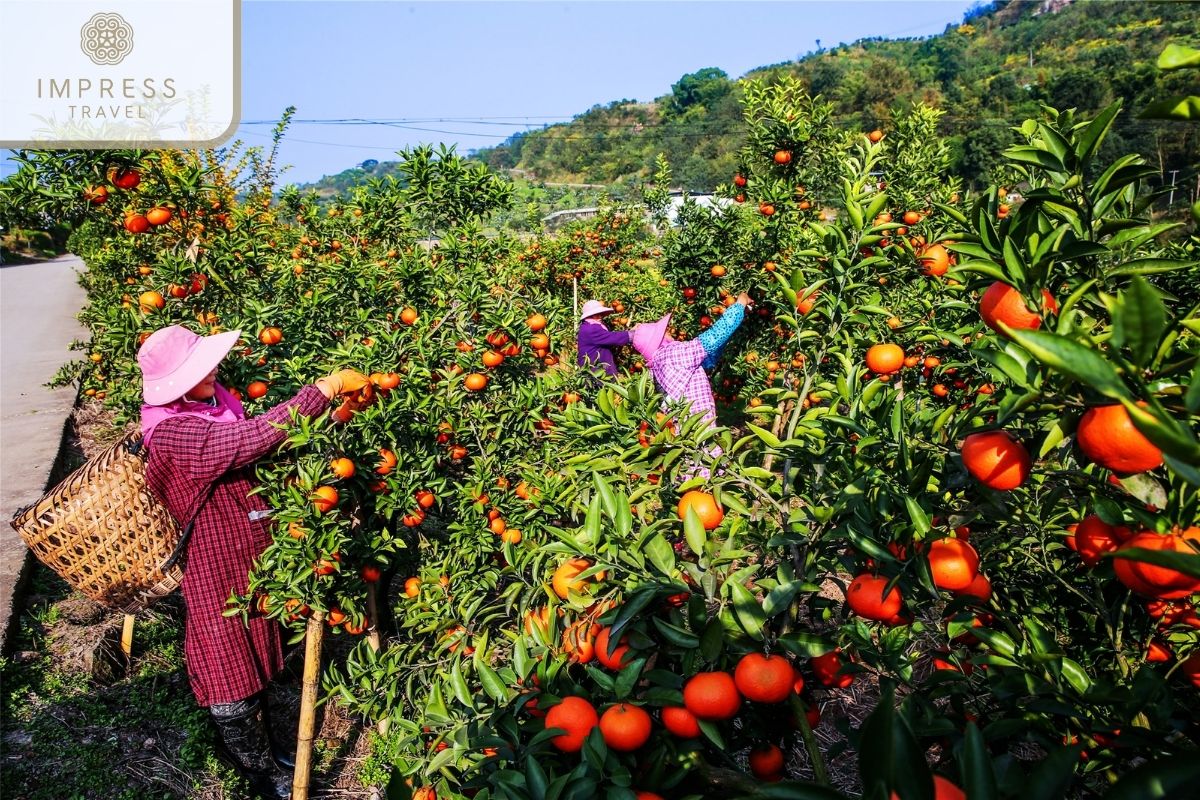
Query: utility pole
point(1031, 58)
point(1171, 197)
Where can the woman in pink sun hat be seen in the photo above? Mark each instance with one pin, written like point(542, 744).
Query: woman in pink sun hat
point(678, 366)
point(596, 342)
point(201, 454)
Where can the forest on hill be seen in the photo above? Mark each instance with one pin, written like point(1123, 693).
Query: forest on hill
point(986, 74)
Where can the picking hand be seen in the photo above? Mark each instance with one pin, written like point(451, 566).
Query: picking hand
point(745, 300)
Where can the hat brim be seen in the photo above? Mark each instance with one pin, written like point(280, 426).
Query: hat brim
point(595, 312)
point(648, 336)
point(202, 360)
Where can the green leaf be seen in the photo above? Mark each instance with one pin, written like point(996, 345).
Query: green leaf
point(1182, 107)
point(1177, 56)
point(1052, 777)
point(889, 756)
point(920, 519)
point(459, 685)
point(605, 492)
point(1077, 676)
point(712, 641)
point(805, 645)
point(979, 779)
point(1038, 158)
point(535, 779)
point(1150, 266)
point(768, 438)
point(1171, 778)
point(779, 598)
point(1072, 359)
point(747, 609)
point(491, 682)
point(1164, 432)
point(660, 553)
point(676, 635)
point(1090, 139)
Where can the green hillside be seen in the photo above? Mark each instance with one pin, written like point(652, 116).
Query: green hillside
point(987, 74)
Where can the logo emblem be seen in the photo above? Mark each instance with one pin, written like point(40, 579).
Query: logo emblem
point(106, 39)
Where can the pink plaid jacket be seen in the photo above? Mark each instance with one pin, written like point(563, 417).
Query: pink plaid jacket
point(678, 367)
point(226, 660)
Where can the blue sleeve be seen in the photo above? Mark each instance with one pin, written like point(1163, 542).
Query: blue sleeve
point(715, 337)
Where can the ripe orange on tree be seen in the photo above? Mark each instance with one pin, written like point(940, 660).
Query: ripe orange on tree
point(475, 382)
point(566, 580)
point(511, 536)
point(935, 260)
point(136, 223)
point(681, 722)
point(995, 459)
point(539, 341)
point(125, 178)
point(620, 651)
point(766, 760)
point(150, 301)
point(96, 195)
point(370, 573)
point(826, 668)
point(980, 589)
point(943, 789)
point(536, 322)
point(717, 271)
point(763, 678)
point(1152, 580)
point(269, 336)
point(387, 462)
point(1002, 303)
point(412, 587)
point(712, 695)
point(884, 359)
point(911, 217)
point(425, 498)
point(875, 136)
point(577, 717)
point(256, 389)
point(1107, 436)
point(865, 596)
point(625, 727)
point(492, 359)
point(335, 617)
point(158, 216)
point(1094, 537)
point(783, 157)
point(342, 467)
point(705, 506)
point(324, 498)
point(953, 563)
point(409, 315)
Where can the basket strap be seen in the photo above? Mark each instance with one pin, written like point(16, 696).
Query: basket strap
point(181, 546)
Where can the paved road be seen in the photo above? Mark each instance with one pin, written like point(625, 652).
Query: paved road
point(38, 303)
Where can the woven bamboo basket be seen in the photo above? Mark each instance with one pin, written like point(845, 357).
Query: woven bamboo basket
point(104, 532)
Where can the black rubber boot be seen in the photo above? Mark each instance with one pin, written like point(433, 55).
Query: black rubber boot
point(244, 736)
point(283, 742)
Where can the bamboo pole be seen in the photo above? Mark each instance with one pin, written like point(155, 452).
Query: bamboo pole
point(127, 641)
point(308, 705)
point(373, 639)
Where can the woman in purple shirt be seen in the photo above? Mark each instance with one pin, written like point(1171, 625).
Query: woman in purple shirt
point(596, 342)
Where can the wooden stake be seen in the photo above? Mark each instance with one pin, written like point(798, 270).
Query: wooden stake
point(373, 639)
point(127, 641)
point(308, 705)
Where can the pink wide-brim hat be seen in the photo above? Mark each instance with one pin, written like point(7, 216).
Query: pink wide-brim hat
point(648, 336)
point(593, 307)
point(174, 360)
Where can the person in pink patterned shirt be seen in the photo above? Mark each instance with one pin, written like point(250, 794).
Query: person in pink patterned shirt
point(678, 366)
point(202, 449)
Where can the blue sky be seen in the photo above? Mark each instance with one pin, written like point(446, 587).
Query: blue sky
point(472, 73)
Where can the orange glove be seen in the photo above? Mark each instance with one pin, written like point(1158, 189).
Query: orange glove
point(350, 381)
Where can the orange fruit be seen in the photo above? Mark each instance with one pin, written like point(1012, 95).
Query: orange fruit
point(536, 322)
point(425, 793)
point(980, 589)
point(826, 667)
point(620, 651)
point(1190, 668)
point(370, 573)
point(625, 727)
point(766, 760)
point(576, 717)
point(995, 459)
point(866, 598)
point(911, 217)
point(705, 505)
point(884, 359)
point(511, 536)
point(269, 336)
point(425, 498)
point(935, 260)
point(96, 195)
point(764, 679)
point(783, 156)
point(342, 467)
point(647, 796)
point(408, 316)
point(412, 587)
point(136, 223)
point(1152, 580)
point(953, 563)
point(158, 215)
point(150, 301)
point(497, 526)
point(1106, 435)
point(943, 789)
point(875, 136)
point(388, 380)
point(1003, 303)
point(539, 341)
point(475, 382)
point(256, 389)
point(681, 722)
point(492, 359)
point(324, 498)
point(387, 461)
point(1094, 537)
point(565, 581)
point(335, 616)
point(712, 695)
point(718, 271)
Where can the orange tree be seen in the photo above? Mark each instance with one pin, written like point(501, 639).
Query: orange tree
point(896, 509)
